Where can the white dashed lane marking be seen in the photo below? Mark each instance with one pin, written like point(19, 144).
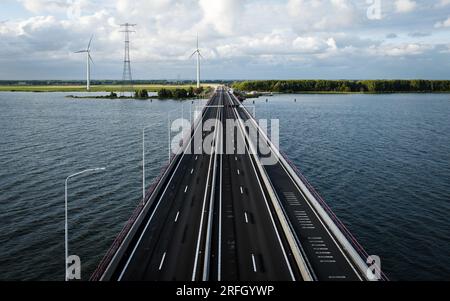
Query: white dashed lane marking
point(304, 220)
point(321, 250)
point(162, 261)
point(254, 263)
point(291, 199)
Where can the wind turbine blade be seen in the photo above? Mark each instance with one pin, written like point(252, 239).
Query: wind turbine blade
point(197, 40)
point(90, 58)
point(193, 54)
point(90, 41)
point(200, 55)
point(81, 51)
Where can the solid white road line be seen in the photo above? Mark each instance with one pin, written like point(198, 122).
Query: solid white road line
point(197, 251)
point(162, 261)
point(159, 202)
point(277, 153)
point(265, 199)
point(219, 259)
point(254, 263)
point(207, 251)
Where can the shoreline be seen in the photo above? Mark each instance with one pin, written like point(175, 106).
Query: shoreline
point(343, 93)
point(319, 86)
point(157, 88)
point(94, 88)
point(267, 95)
point(107, 97)
point(248, 96)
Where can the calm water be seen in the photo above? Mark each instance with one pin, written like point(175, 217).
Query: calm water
point(382, 162)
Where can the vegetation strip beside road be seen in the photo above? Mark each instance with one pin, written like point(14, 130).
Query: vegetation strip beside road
point(344, 86)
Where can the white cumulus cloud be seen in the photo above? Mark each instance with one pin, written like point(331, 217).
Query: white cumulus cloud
point(254, 33)
point(397, 50)
point(445, 23)
point(322, 14)
point(405, 6)
point(222, 14)
point(443, 3)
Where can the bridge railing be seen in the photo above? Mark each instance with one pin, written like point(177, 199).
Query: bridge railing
point(106, 260)
point(103, 265)
point(123, 233)
point(350, 237)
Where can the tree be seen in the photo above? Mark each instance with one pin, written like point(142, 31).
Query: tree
point(164, 93)
point(142, 93)
point(372, 86)
point(199, 91)
point(179, 93)
point(191, 92)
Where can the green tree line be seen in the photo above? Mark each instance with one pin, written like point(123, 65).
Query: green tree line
point(180, 93)
point(348, 86)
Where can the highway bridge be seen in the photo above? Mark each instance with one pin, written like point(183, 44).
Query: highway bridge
point(219, 212)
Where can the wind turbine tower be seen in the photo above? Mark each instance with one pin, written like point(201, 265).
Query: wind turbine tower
point(199, 56)
point(88, 64)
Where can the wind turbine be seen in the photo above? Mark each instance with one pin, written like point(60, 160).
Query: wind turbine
point(88, 62)
point(199, 55)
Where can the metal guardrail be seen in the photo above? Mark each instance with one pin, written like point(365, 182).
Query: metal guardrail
point(106, 260)
point(350, 237)
point(123, 233)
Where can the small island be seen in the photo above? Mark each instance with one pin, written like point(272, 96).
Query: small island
point(163, 93)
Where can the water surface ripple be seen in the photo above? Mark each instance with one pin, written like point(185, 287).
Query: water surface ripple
point(382, 162)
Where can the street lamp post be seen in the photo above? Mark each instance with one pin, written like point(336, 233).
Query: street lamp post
point(66, 228)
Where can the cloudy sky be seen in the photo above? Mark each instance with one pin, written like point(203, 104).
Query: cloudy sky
point(239, 39)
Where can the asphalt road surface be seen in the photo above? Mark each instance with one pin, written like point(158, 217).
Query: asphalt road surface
point(214, 219)
point(326, 259)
